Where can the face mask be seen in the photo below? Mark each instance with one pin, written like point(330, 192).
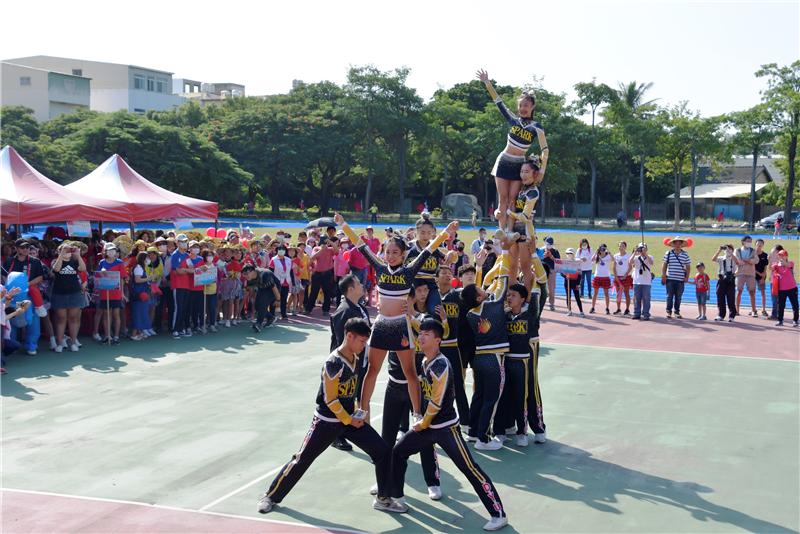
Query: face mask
point(209, 259)
point(182, 245)
point(548, 246)
point(147, 262)
point(162, 248)
point(196, 251)
point(584, 246)
point(111, 254)
point(281, 253)
point(747, 243)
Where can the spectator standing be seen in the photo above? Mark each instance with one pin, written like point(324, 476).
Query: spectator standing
point(571, 286)
point(479, 242)
point(783, 275)
point(281, 265)
point(675, 272)
point(623, 281)
point(373, 214)
point(21, 262)
point(584, 255)
point(67, 299)
point(726, 284)
point(761, 274)
point(549, 257)
point(322, 275)
point(746, 259)
point(641, 264)
point(702, 289)
point(140, 298)
point(773, 259)
point(602, 275)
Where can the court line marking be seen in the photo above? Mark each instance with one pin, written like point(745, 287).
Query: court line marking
point(680, 353)
point(263, 477)
point(178, 509)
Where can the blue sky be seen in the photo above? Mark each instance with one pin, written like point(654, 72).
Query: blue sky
point(705, 52)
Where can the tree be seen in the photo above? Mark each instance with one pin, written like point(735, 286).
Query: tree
point(593, 95)
point(20, 129)
point(705, 141)
point(754, 133)
point(782, 97)
point(674, 149)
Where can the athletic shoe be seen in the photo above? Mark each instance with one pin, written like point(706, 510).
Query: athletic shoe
point(730, 319)
point(213, 328)
point(74, 347)
point(342, 445)
point(569, 314)
point(31, 352)
point(265, 505)
point(669, 315)
point(227, 324)
point(97, 337)
point(646, 318)
point(235, 322)
point(187, 332)
point(522, 440)
point(496, 523)
point(78, 343)
point(764, 313)
point(502, 438)
point(581, 314)
point(779, 323)
point(591, 311)
point(59, 349)
point(136, 337)
point(795, 324)
point(491, 445)
point(256, 327)
point(373, 490)
point(552, 307)
point(752, 314)
point(176, 335)
point(387, 504)
point(115, 341)
point(678, 315)
point(470, 438)
point(616, 312)
point(434, 493)
point(719, 318)
point(53, 343)
point(627, 312)
point(635, 317)
point(271, 322)
point(540, 438)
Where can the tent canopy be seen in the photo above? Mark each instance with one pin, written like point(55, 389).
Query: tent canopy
point(716, 190)
point(143, 200)
point(28, 197)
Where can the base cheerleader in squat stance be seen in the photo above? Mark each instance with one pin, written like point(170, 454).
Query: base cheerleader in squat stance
point(392, 329)
point(506, 169)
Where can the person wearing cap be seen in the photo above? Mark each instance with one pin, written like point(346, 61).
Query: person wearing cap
point(783, 280)
point(164, 302)
point(180, 284)
point(746, 260)
point(22, 263)
point(548, 256)
point(675, 271)
point(111, 299)
point(641, 265)
point(726, 284)
point(189, 267)
point(154, 269)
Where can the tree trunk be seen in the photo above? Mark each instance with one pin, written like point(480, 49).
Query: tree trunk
point(641, 193)
point(626, 184)
point(275, 197)
point(694, 183)
point(444, 184)
point(370, 172)
point(752, 221)
point(593, 214)
point(401, 156)
point(576, 204)
point(542, 201)
point(324, 195)
point(677, 214)
point(787, 207)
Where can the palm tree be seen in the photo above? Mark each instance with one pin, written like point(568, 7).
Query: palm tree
point(631, 96)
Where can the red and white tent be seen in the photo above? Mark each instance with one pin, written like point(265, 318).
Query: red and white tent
point(27, 197)
point(143, 200)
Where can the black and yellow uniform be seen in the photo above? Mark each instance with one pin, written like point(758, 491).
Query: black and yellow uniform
point(523, 210)
point(488, 323)
point(451, 301)
point(427, 273)
point(523, 331)
point(349, 310)
point(520, 135)
point(336, 402)
point(394, 283)
point(440, 427)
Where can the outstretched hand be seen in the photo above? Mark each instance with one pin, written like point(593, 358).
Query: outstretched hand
point(482, 75)
point(338, 219)
point(452, 228)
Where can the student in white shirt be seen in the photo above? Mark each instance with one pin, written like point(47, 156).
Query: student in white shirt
point(641, 266)
point(602, 275)
point(623, 281)
point(584, 256)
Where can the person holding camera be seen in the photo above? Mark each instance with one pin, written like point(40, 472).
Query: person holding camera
point(322, 273)
point(602, 275)
point(623, 281)
point(726, 285)
point(641, 265)
point(68, 297)
point(674, 274)
point(746, 260)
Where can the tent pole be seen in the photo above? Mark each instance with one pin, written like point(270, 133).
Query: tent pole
point(100, 228)
point(133, 229)
point(216, 225)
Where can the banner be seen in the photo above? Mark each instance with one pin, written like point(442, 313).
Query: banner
point(183, 224)
point(106, 280)
point(205, 277)
point(568, 266)
point(79, 229)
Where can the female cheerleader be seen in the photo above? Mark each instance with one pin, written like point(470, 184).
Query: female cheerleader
point(506, 169)
point(392, 329)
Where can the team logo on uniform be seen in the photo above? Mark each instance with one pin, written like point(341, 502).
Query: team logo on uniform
point(484, 326)
point(404, 341)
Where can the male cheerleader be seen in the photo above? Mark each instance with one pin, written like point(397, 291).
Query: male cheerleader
point(336, 416)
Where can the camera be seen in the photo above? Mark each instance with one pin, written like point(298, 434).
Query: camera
point(639, 249)
point(723, 247)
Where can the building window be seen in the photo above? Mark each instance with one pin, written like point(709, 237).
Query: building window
point(138, 110)
point(151, 83)
point(77, 72)
point(24, 80)
point(161, 85)
point(138, 81)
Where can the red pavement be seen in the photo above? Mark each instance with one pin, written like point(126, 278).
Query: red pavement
point(32, 512)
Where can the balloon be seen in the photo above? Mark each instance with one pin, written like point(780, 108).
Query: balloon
point(210, 232)
point(667, 240)
point(20, 280)
point(144, 296)
point(346, 255)
point(222, 233)
point(455, 282)
point(689, 242)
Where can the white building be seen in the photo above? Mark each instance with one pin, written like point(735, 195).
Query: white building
point(114, 86)
point(48, 93)
point(206, 93)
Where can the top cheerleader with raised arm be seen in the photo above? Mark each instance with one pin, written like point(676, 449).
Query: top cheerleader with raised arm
point(520, 137)
point(392, 329)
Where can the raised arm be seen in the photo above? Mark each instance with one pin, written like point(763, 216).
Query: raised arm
point(545, 151)
point(375, 261)
point(484, 77)
point(502, 276)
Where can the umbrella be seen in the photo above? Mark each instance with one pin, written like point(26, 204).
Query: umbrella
point(322, 222)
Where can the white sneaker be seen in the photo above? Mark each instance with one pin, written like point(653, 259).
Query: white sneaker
point(502, 438)
point(53, 343)
point(78, 343)
point(387, 504)
point(496, 523)
point(569, 314)
point(373, 490)
point(491, 445)
point(718, 318)
point(59, 349)
point(581, 314)
point(470, 438)
point(522, 440)
point(212, 328)
point(32, 352)
point(74, 347)
point(265, 505)
point(434, 493)
point(227, 324)
point(97, 337)
point(540, 438)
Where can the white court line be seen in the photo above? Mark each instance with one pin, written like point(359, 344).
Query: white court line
point(177, 509)
point(679, 353)
point(264, 476)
